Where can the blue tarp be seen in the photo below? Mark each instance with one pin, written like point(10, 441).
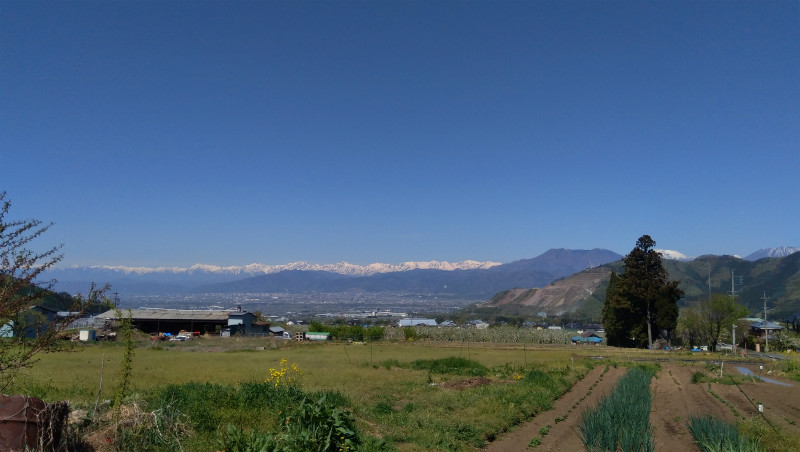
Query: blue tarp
point(594, 340)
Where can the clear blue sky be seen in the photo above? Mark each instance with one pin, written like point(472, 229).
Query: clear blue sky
point(175, 133)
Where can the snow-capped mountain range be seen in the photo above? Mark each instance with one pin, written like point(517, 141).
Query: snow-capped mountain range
point(781, 251)
point(342, 268)
point(346, 268)
point(468, 277)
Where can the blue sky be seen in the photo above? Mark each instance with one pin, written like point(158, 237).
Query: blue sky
point(175, 133)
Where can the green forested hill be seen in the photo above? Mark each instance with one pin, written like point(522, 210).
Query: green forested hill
point(777, 278)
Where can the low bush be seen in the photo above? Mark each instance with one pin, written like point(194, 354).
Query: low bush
point(451, 365)
point(260, 417)
point(699, 377)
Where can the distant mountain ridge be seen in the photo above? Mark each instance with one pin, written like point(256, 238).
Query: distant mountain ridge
point(776, 277)
point(468, 278)
point(475, 283)
point(781, 251)
point(342, 268)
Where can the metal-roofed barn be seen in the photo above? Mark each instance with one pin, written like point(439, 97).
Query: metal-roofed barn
point(416, 322)
point(153, 320)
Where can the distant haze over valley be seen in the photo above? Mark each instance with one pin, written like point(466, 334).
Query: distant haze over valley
point(345, 268)
point(557, 281)
point(471, 279)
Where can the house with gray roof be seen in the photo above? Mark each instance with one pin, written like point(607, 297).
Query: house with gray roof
point(417, 322)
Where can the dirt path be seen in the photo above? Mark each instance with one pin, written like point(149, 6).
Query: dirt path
point(562, 435)
point(675, 398)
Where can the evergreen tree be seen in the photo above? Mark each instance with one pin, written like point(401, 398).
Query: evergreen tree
point(641, 301)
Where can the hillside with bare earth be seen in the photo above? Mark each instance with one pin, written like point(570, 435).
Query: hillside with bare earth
point(564, 294)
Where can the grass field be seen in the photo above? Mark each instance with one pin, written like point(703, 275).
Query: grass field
point(75, 375)
point(399, 394)
point(390, 396)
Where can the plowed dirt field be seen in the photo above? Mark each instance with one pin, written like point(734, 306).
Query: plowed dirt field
point(675, 399)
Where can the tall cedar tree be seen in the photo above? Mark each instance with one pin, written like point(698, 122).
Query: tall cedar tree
point(641, 301)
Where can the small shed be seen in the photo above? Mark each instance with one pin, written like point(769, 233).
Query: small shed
point(279, 332)
point(87, 335)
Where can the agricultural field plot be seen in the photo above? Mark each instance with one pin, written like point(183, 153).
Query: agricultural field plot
point(413, 395)
point(559, 425)
point(675, 399)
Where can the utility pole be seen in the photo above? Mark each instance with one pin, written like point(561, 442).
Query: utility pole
point(766, 328)
point(733, 342)
point(734, 284)
point(708, 267)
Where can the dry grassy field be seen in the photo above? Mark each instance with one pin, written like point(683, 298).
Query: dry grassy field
point(413, 409)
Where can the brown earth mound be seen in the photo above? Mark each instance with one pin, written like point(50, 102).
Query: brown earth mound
point(468, 383)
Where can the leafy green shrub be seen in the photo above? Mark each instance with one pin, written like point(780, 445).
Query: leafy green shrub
point(374, 333)
point(202, 400)
point(318, 426)
point(265, 395)
point(508, 370)
point(538, 377)
point(238, 440)
point(266, 418)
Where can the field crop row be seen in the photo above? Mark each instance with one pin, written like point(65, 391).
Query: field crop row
point(621, 420)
